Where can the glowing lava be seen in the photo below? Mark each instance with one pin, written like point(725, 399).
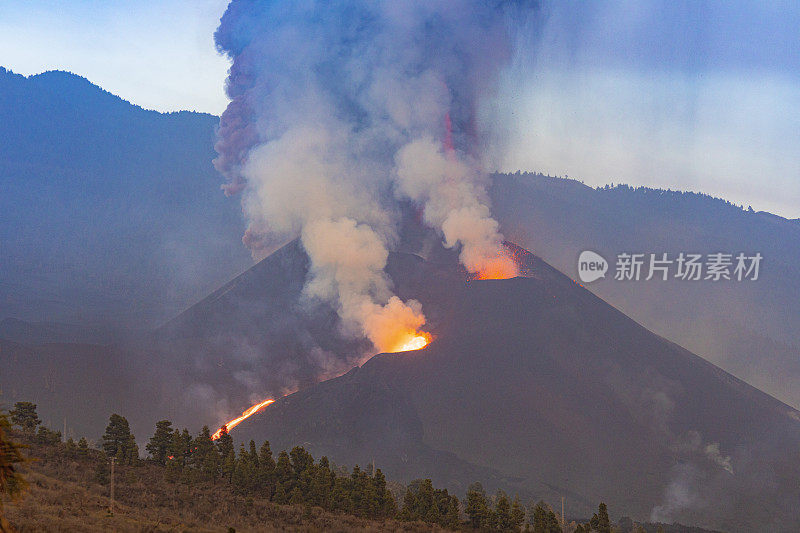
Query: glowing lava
point(413, 341)
point(236, 421)
point(500, 267)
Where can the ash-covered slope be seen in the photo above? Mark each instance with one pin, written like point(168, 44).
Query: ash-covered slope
point(552, 391)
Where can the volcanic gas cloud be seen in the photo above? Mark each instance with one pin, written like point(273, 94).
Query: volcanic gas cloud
point(339, 111)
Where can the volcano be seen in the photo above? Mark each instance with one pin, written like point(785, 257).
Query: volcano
point(536, 386)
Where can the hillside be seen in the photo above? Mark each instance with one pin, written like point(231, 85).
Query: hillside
point(114, 221)
point(558, 393)
point(112, 214)
point(69, 493)
point(751, 329)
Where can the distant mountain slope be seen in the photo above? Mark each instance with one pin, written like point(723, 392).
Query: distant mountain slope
point(110, 213)
point(751, 329)
point(111, 217)
point(558, 393)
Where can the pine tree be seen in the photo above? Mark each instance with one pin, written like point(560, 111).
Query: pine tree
point(117, 440)
point(24, 415)
point(131, 451)
point(12, 484)
point(517, 514)
point(386, 506)
point(159, 443)
point(283, 471)
point(70, 448)
point(539, 521)
point(205, 458)
point(451, 518)
point(477, 507)
point(408, 511)
point(175, 459)
point(188, 445)
point(502, 512)
point(280, 495)
point(83, 447)
point(552, 522)
point(266, 470)
point(228, 466)
point(225, 450)
point(297, 497)
point(603, 521)
point(240, 472)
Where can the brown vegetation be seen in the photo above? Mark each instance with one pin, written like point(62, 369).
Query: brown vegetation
point(72, 494)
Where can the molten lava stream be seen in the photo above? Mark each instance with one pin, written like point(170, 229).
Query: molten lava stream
point(236, 421)
point(411, 340)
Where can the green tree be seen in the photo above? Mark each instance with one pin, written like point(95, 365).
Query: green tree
point(386, 506)
point(600, 521)
point(227, 454)
point(280, 496)
point(477, 507)
point(266, 470)
point(47, 436)
point(158, 446)
point(83, 447)
point(131, 451)
point(24, 415)
point(502, 512)
point(296, 497)
point(517, 514)
point(283, 471)
point(12, 483)
point(321, 488)
point(70, 448)
point(205, 458)
point(118, 441)
point(544, 519)
point(176, 457)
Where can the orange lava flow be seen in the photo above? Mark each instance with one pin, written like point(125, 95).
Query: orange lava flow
point(500, 267)
point(236, 421)
point(414, 340)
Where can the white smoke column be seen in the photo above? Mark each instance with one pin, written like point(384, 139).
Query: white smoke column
point(454, 197)
point(332, 102)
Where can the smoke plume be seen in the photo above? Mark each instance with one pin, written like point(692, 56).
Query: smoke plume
point(341, 109)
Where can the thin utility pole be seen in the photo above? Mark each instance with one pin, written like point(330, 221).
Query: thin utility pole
point(563, 518)
point(111, 507)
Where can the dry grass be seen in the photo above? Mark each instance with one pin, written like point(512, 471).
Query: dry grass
point(64, 495)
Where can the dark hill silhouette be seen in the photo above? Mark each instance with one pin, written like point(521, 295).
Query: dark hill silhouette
point(112, 214)
point(557, 392)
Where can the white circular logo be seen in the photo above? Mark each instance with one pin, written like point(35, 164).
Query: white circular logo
point(591, 266)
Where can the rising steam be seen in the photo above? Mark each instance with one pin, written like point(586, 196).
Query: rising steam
point(338, 110)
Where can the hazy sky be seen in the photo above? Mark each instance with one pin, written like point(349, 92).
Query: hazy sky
point(158, 54)
point(688, 95)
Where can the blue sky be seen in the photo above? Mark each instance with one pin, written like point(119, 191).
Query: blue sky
point(689, 95)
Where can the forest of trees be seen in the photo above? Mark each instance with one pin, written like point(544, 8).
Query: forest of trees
point(293, 478)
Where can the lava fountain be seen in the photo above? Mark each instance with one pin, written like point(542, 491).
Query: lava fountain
point(413, 340)
point(502, 266)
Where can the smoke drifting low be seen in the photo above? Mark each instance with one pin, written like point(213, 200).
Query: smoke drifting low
point(339, 111)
